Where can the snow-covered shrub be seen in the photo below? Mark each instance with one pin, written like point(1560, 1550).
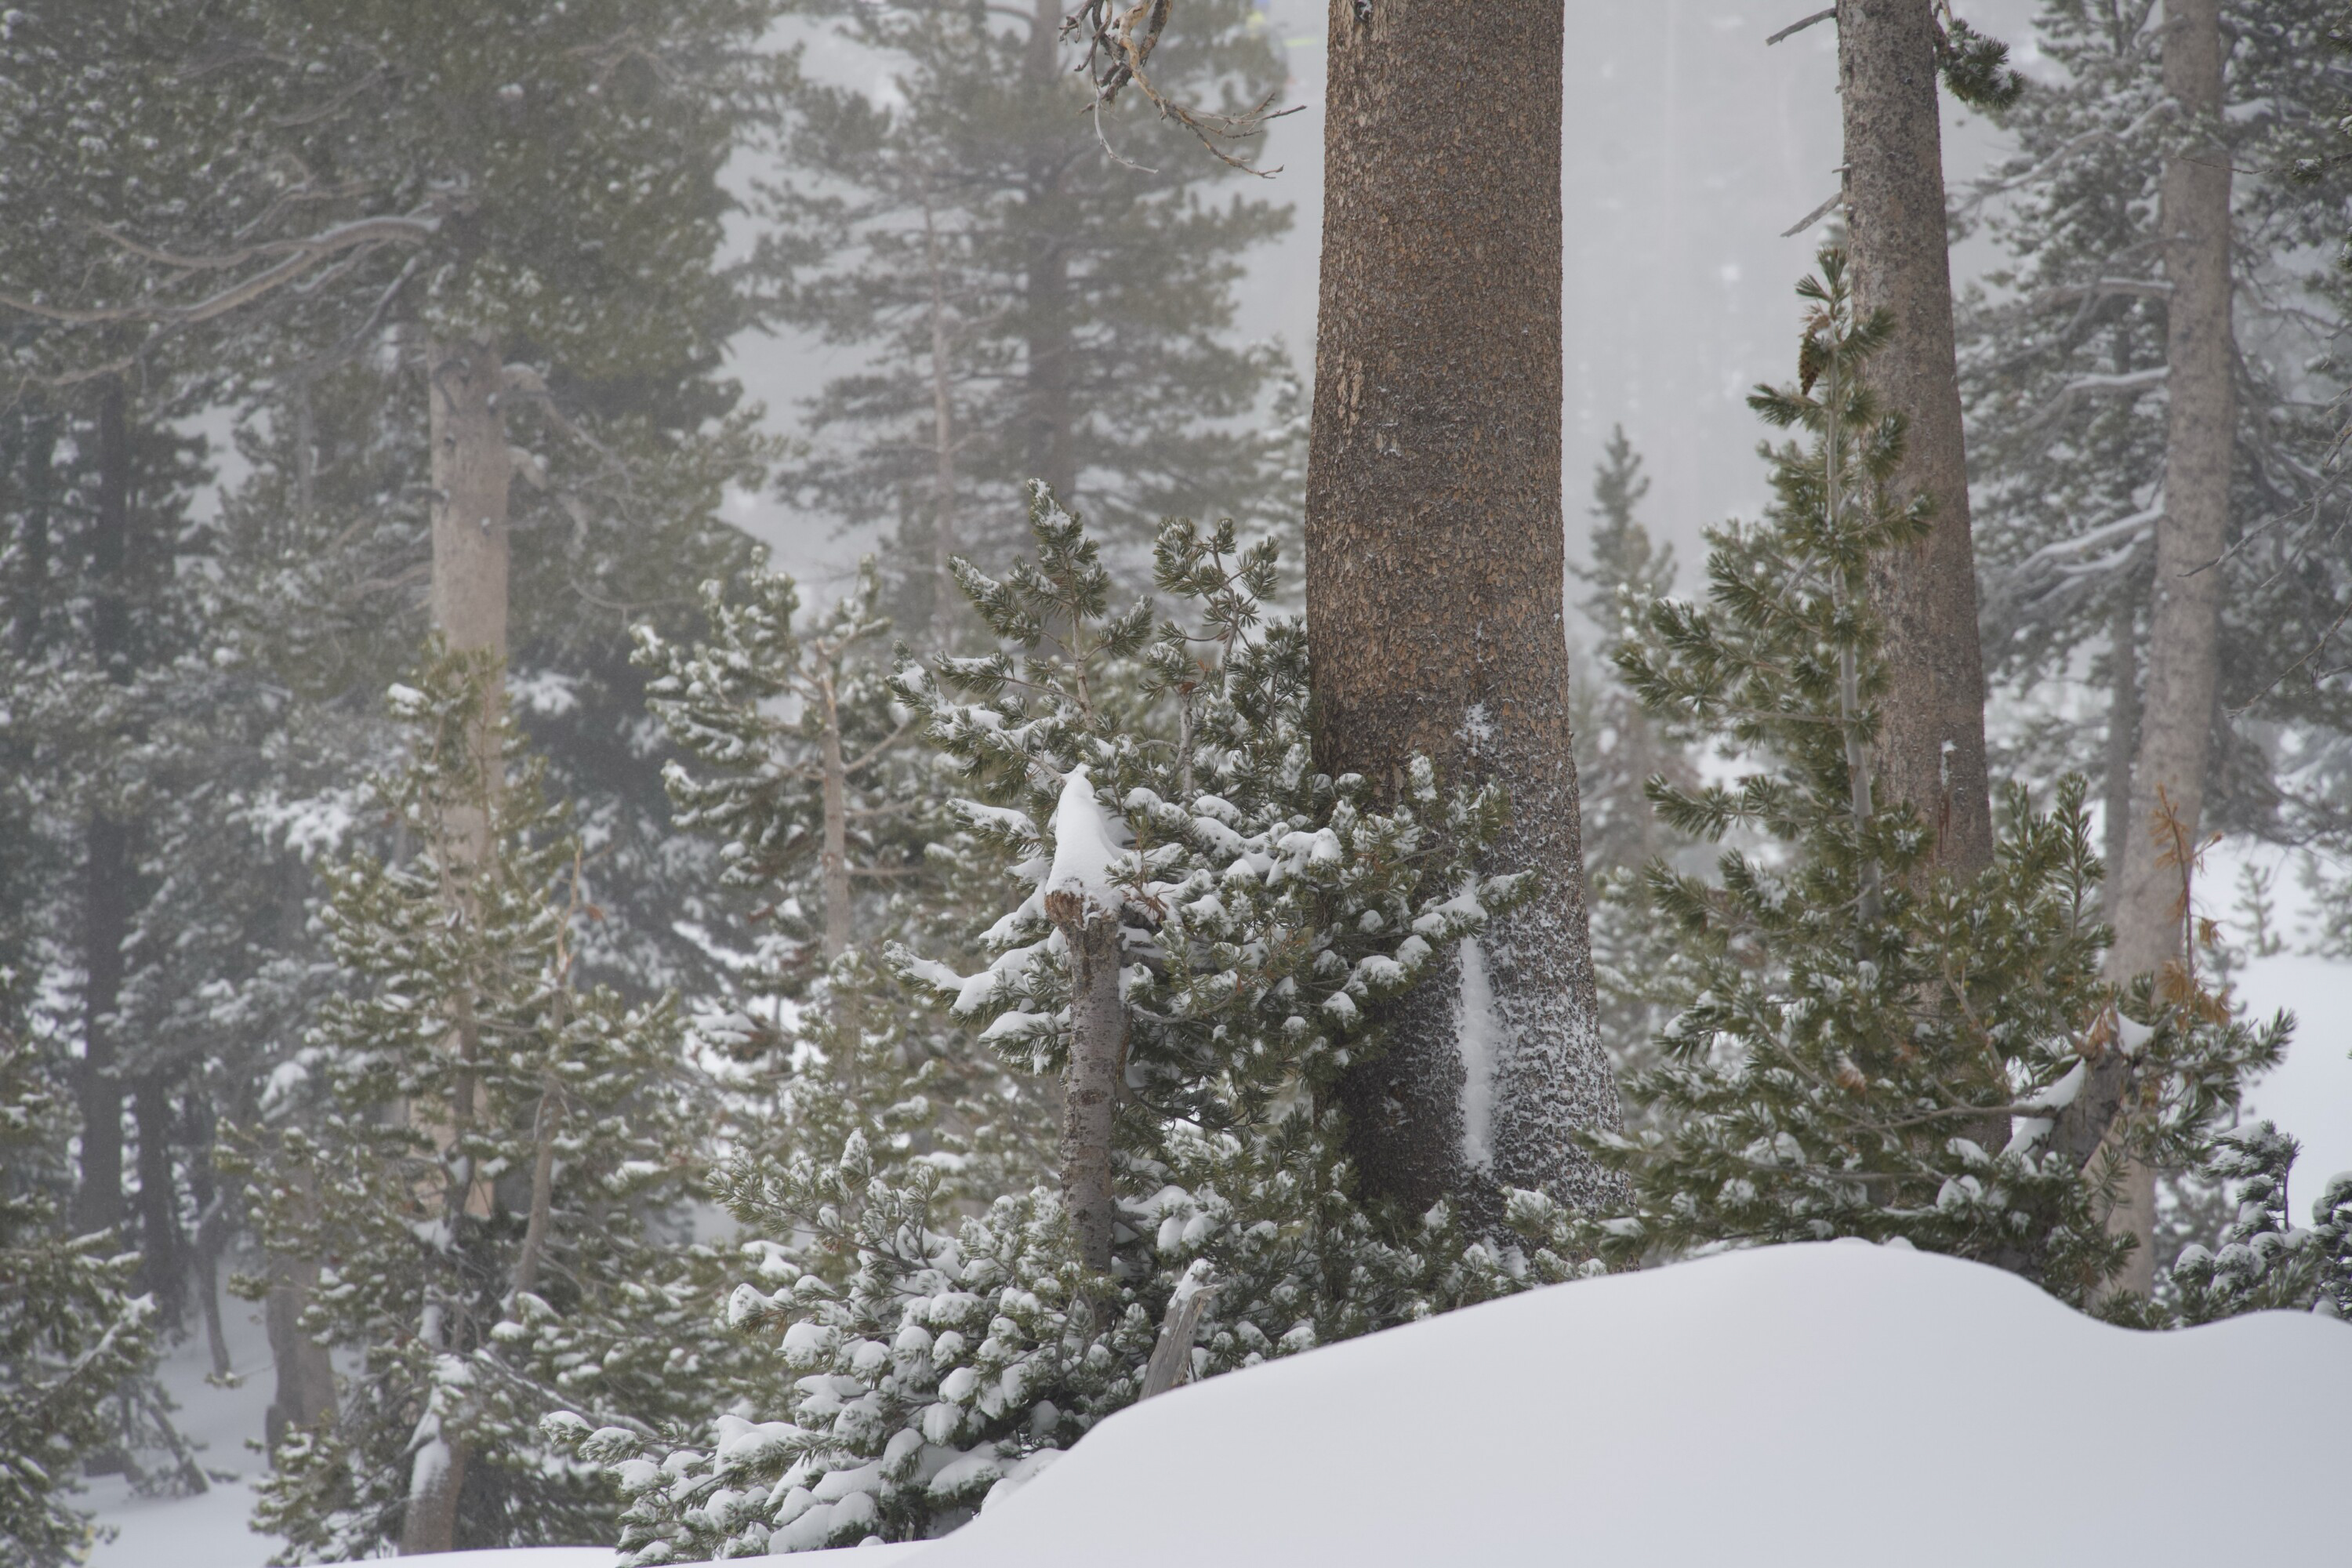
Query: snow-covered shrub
point(2265, 1261)
point(1264, 912)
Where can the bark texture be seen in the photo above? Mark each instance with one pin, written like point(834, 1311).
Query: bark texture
point(1433, 560)
point(1098, 1061)
point(2175, 723)
point(1931, 742)
point(471, 471)
point(108, 901)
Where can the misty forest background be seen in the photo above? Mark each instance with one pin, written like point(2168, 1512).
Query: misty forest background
point(663, 799)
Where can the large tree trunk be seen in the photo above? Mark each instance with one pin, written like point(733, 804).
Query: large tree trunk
point(1932, 742)
point(107, 893)
point(1434, 568)
point(1097, 1058)
point(2177, 714)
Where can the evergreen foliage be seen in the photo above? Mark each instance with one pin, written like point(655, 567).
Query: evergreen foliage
point(829, 816)
point(71, 1332)
point(1621, 748)
point(1265, 907)
point(486, 1161)
point(2062, 352)
point(1860, 1046)
point(2265, 1261)
point(1034, 301)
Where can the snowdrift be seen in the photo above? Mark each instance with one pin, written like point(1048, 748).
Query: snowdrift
point(1824, 1406)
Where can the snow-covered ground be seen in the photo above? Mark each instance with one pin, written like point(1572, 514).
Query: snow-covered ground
point(1821, 1405)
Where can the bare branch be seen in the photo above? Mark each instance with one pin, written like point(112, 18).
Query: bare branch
point(1827, 15)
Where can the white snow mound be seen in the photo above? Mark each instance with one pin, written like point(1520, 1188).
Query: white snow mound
point(1819, 1406)
point(1088, 858)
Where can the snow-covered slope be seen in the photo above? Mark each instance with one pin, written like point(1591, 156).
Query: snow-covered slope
point(1824, 1406)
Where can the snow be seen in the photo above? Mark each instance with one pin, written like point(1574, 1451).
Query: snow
point(1478, 1034)
point(1821, 1405)
point(1087, 855)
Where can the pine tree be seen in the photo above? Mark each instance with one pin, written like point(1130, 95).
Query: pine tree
point(832, 827)
point(1862, 1048)
point(1039, 292)
point(1619, 749)
point(485, 1162)
point(71, 1332)
point(2125, 345)
point(1156, 788)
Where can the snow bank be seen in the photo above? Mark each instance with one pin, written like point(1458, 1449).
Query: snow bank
point(1822, 1406)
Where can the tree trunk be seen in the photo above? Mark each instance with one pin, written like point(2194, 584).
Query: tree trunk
point(107, 895)
point(163, 1248)
point(2123, 723)
point(832, 858)
point(1931, 742)
point(1097, 1060)
point(28, 594)
point(1434, 569)
point(1048, 438)
point(2176, 718)
point(471, 470)
point(944, 597)
point(436, 1477)
point(305, 1395)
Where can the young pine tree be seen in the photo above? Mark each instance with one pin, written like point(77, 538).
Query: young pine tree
point(830, 821)
point(1199, 927)
point(1619, 749)
point(71, 1332)
point(484, 1161)
point(1859, 1049)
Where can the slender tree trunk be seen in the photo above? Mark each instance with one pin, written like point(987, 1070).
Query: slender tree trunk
point(107, 893)
point(832, 858)
point(2123, 725)
point(305, 1395)
point(28, 594)
point(943, 469)
point(162, 1249)
point(2176, 719)
point(1434, 568)
point(1931, 742)
point(471, 471)
point(1050, 409)
point(1097, 1059)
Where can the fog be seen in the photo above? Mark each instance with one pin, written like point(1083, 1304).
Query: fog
point(1688, 147)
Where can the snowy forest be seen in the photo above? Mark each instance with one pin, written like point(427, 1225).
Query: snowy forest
point(754, 754)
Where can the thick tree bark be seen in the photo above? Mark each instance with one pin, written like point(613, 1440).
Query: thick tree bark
point(1434, 568)
point(1097, 1060)
point(1931, 742)
point(2176, 718)
point(107, 868)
